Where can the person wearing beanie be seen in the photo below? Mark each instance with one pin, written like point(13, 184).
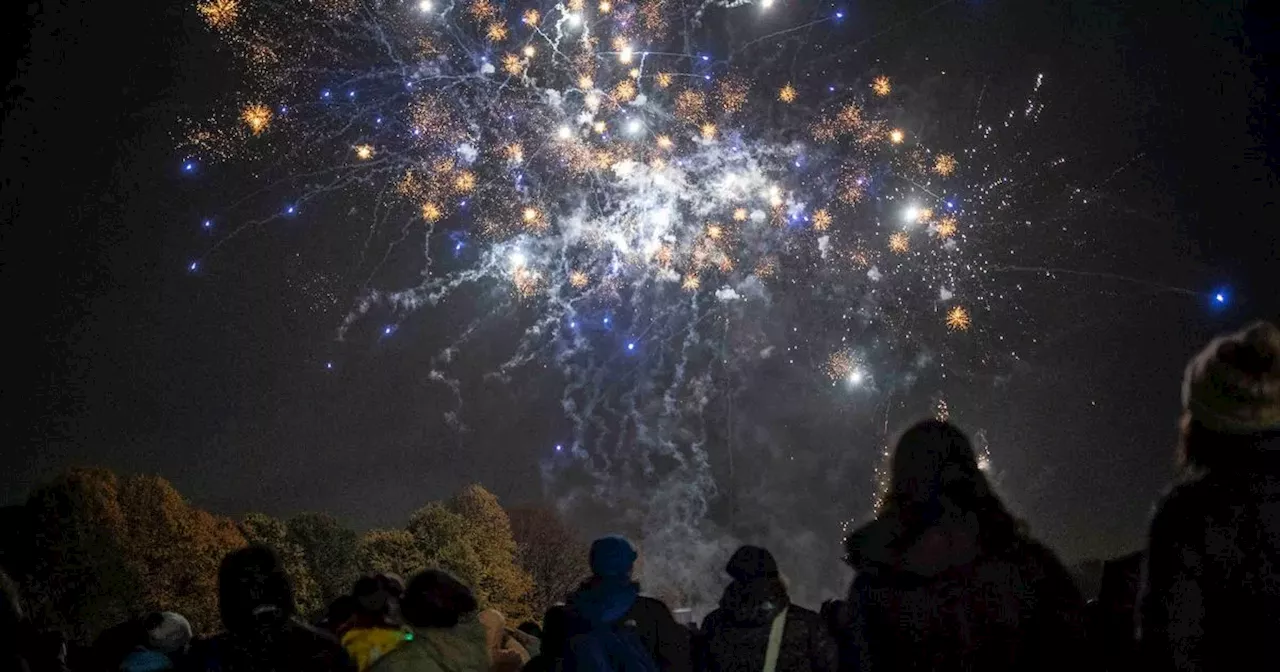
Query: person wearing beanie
point(256, 602)
point(164, 644)
point(1211, 597)
point(757, 627)
point(373, 629)
point(610, 602)
point(447, 634)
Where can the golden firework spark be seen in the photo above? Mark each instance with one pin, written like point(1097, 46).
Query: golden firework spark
point(821, 220)
point(496, 32)
point(664, 79)
point(767, 267)
point(219, 13)
point(512, 64)
point(663, 255)
point(896, 136)
point(691, 283)
point(605, 6)
point(514, 152)
point(788, 94)
point(664, 142)
point(529, 51)
point(714, 231)
point(431, 212)
point(634, 73)
point(624, 91)
point(958, 319)
point(531, 17)
point(364, 152)
point(483, 10)
point(257, 117)
point(899, 242)
point(843, 365)
point(708, 131)
point(945, 164)
point(881, 86)
point(731, 92)
point(530, 214)
point(691, 106)
point(526, 281)
point(740, 215)
point(946, 227)
point(625, 53)
point(577, 5)
point(579, 279)
point(850, 187)
point(940, 411)
point(585, 82)
point(465, 181)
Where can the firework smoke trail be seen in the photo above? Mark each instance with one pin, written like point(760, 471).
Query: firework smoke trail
point(568, 160)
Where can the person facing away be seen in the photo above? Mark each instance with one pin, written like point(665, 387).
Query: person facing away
point(507, 653)
point(446, 634)
point(553, 643)
point(945, 580)
point(1112, 619)
point(256, 603)
point(166, 635)
point(373, 629)
point(1212, 594)
point(757, 627)
point(614, 628)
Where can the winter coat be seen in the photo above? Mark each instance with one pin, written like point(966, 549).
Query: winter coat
point(954, 598)
point(1212, 597)
point(461, 648)
point(617, 600)
point(367, 645)
point(293, 647)
point(735, 637)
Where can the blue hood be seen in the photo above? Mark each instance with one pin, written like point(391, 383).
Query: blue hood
point(145, 660)
point(605, 600)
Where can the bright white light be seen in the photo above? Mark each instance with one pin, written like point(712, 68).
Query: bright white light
point(626, 54)
point(564, 132)
point(911, 214)
point(855, 378)
point(766, 3)
point(518, 259)
point(425, 6)
point(529, 51)
point(634, 126)
point(574, 20)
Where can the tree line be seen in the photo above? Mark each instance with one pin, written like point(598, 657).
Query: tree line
point(92, 548)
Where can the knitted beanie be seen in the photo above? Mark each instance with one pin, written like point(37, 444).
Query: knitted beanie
point(612, 556)
point(1233, 385)
point(168, 632)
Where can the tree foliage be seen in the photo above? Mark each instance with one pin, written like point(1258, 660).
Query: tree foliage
point(330, 551)
point(391, 551)
point(259, 528)
point(549, 551)
point(106, 548)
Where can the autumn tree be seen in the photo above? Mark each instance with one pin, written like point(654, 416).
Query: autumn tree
point(259, 528)
point(106, 548)
point(549, 551)
point(330, 550)
point(391, 551)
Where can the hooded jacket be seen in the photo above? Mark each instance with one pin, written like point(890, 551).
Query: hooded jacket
point(461, 648)
point(735, 636)
point(952, 598)
point(1212, 599)
point(617, 599)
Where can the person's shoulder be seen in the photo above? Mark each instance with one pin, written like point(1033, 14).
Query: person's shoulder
point(647, 604)
point(799, 613)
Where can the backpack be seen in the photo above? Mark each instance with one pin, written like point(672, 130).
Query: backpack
point(609, 647)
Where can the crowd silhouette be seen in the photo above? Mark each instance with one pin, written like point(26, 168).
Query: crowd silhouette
point(945, 578)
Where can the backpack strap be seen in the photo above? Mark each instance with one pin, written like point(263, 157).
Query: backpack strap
point(775, 641)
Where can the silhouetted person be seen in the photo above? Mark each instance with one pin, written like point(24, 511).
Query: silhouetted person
point(163, 645)
point(1113, 616)
point(447, 635)
point(373, 630)
point(256, 602)
point(612, 626)
point(506, 652)
point(758, 628)
point(945, 580)
point(553, 641)
point(1213, 567)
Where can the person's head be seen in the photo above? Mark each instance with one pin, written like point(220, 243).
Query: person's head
point(934, 469)
point(376, 597)
point(339, 614)
point(435, 599)
point(167, 632)
point(1231, 399)
point(612, 557)
point(555, 631)
point(254, 593)
point(749, 563)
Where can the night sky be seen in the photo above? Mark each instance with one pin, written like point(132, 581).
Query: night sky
point(218, 380)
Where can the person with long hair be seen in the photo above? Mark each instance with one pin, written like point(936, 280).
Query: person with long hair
point(947, 580)
point(1212, 595)
point(447, 635)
